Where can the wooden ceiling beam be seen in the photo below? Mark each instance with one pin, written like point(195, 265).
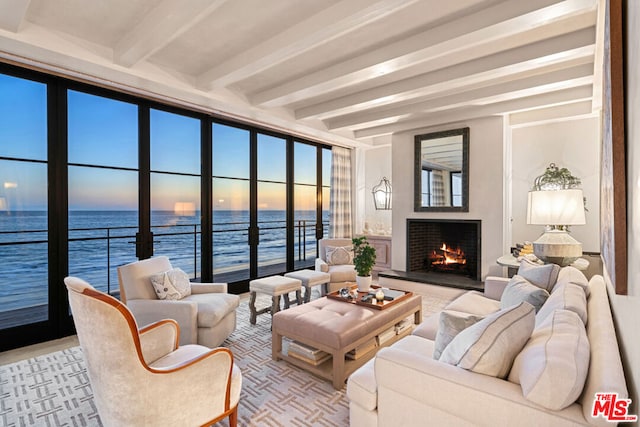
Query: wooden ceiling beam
point(530, 85)
point(437, 47)
point(323, 27)
point(12, 14)
point(468, 113)
point(166, 22)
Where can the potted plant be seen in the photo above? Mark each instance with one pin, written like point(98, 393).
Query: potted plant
point(364, 257)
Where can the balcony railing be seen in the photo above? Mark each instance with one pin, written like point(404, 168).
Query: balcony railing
point(96, 252)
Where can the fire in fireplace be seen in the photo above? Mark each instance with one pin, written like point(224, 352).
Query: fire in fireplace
point(446, 258)
point(444, 246)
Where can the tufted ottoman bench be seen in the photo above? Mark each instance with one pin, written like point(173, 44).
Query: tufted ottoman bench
point(309, 279)
point(338, 327)
point(274, 286)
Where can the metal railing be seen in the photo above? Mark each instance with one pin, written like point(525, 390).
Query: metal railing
point(111, 235)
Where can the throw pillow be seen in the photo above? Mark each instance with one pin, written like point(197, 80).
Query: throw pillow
point(340, 255)
point(570, 274)
point(171, 284)
point(552, 368)
point(520, 289)
point(489, 346)
point(451, 324)
point(543, 276)
point(566, 297)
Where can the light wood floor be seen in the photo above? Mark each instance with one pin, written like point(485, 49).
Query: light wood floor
point(37, 349)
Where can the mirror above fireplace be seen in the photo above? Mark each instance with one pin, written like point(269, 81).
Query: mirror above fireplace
point(441, 182)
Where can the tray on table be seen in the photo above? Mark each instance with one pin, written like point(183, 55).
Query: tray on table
point(373, 303)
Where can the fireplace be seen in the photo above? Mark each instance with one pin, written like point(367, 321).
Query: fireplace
point(440, 246)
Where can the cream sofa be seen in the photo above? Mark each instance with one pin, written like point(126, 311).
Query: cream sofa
point(404, 386)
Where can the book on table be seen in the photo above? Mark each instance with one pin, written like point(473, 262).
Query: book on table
point(365, 348)
point(314, 362)
point(306, 351)
point(385, 336)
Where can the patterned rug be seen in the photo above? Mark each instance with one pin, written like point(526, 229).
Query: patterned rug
point(54, 389)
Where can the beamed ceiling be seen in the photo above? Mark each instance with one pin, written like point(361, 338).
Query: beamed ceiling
point(347, 72)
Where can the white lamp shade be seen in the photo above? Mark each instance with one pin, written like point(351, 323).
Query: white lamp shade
point(556, 207)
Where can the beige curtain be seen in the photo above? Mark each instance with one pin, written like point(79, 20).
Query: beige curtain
point(437, 188)
point(340, 204)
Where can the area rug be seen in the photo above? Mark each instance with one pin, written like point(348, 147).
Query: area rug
point(54, 389)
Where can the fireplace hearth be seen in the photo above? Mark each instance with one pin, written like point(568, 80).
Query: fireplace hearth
point(447, 247)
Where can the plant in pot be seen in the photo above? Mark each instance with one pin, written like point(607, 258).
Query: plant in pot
point(364, 257)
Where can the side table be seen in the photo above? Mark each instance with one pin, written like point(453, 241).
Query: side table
point(513, 264)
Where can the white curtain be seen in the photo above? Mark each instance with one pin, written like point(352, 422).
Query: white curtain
point(340, 204)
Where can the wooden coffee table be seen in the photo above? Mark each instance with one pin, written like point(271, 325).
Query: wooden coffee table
point(337, 327)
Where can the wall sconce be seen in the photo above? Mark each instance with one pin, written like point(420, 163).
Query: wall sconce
point(382, 195)
point(556, 203)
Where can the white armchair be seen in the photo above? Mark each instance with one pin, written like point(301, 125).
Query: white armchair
point(206, 317)
point(339, 273)
point(142, 377)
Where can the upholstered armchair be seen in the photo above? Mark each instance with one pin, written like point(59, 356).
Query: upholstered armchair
point(335, 263)
point(142, 377)
point(206, 317)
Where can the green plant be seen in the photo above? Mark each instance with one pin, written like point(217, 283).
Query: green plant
point(364, 256)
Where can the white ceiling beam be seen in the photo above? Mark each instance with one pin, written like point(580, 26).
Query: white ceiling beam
point(570, 77)
point(12, 14)
point(504, 66)
point(329, 24)
point(163, 24)
point(437, 44)
point(469, 113)
point(551, 114)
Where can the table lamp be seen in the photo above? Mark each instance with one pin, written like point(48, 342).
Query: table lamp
point(556, 205)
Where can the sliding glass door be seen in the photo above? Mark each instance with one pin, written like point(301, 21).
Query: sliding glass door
point(230, 200)
point(175, 189)
point(272, 205)
point(24, 230)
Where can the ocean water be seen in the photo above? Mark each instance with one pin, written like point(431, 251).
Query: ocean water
point(100, 241)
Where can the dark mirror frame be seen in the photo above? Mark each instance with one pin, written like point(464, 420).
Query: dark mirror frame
point(417, 187)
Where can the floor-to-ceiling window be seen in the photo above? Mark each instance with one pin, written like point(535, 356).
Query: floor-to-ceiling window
point(24, 288)
point(272, 204)
point(230, 200)
point(175, 189)
point(91, 179)
point(103, 187)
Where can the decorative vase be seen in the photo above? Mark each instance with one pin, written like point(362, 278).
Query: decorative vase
point(364, 283)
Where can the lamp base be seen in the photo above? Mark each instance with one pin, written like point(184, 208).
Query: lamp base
point(557, 247)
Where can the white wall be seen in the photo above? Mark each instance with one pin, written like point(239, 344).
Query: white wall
point(574, 144)
point(485, 189)
point(372, 165)
point(626, 308)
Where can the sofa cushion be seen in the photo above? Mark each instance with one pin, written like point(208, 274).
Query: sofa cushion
point(172, 284)
point(473, 302)
point(520, 289)
point(450, 324)
point(572, 275)
point(489, 346)
point(543, 276)
point(212, 308)
point(567, 297)
point(552, 368)
point(339, 255)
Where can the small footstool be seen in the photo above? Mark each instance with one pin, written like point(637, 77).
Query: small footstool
point(309, 278)
point(273, 286)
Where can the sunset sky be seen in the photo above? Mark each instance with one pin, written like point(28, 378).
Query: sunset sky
point(104, 132)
